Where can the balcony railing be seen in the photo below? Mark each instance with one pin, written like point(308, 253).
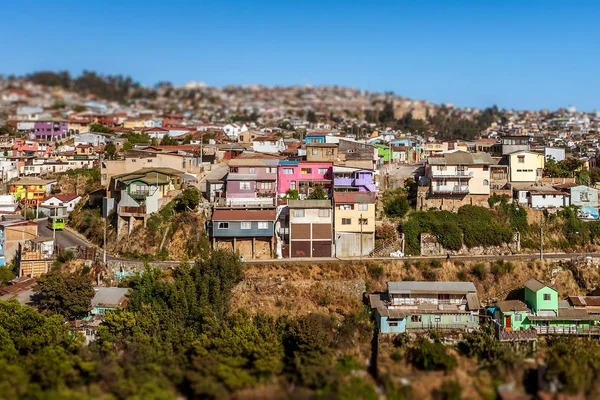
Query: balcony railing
point(248, 202)
point(452, 174)
point(139, 194)
point(450, 189)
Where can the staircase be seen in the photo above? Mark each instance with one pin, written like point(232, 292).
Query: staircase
point(386, 247)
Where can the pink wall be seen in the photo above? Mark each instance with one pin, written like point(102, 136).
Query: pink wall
point(284, 180)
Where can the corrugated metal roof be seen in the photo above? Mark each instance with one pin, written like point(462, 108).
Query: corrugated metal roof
point(254, 162)
point(462, 158)
point(534, 285)
point(309, 203)
point(244, 215)
point(512, 305)
point(354, 197)
point(109, 296)
point(430, 287)
point(585, 301)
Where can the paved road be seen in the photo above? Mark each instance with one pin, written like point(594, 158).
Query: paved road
point(63, 238)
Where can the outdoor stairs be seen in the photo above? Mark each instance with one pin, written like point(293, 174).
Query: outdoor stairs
point(386, 247)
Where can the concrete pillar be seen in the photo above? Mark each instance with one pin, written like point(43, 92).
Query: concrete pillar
point(253, 246)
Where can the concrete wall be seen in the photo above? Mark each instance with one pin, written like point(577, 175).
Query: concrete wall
point(431, 247)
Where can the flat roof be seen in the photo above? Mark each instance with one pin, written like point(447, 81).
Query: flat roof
point(406, 287)
point(244, 215)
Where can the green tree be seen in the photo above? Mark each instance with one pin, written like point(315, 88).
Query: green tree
point(100, 128)
point(168, 141)
point(395, 203)
point(68, 294)
point(318, 193)
point(188, 200)
point(110, 151)
point(311, 117)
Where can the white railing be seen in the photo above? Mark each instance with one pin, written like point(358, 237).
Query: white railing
point(450, 189)
point(250, 202)
point(451, 174)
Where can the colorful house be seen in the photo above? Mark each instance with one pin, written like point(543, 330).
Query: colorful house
point(249, 232)
point(354, 225)
point(51, 131)
point(251, 182)
point(421, 306)
point(31, 191)
point(348, 179)
point(542, 311)
point(310, 230)
point(303, 176)
point(525, 166)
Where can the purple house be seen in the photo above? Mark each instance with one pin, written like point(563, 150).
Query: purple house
point(251, 182)
point(346, 179)
point(51, 131)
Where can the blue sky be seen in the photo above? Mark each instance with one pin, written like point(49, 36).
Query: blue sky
point(516, 54)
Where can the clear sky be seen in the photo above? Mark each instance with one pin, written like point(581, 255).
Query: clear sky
point(516, 54)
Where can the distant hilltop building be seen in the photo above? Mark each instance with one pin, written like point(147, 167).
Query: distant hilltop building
point(194, 85)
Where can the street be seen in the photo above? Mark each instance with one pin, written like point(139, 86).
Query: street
point(63, 238)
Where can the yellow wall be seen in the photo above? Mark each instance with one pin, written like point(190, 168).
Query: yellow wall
point(354, 215)
point(526, 171)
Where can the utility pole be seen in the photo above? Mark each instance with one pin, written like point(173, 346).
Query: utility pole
point(541, 239)
point(360, 221)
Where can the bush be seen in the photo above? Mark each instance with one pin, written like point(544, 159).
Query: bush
point(479, 271)
point(450, 390)
point(395, 203)
point(188, 200)
point(462, 275)
point(435, 263)
point(429, 355)
point(375, 271)
point(501, 267)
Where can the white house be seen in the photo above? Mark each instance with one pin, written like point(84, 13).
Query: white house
point(233, 130)
point(95, 139)
point(268, 145)
point(540, 199)
point(557, 153)
point(61, 200)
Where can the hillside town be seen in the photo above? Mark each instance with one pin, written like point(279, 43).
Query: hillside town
point(307, 175)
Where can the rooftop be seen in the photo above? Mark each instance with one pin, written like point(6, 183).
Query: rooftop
point(244, 215)
point(309, 203)
point(354, 197)
point(407, 287)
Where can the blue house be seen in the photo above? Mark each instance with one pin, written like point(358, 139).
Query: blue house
point(249, 232)
point(315, 137)
point(421, 306)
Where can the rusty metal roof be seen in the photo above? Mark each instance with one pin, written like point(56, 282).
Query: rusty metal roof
point(354, 197)
point(244, 215)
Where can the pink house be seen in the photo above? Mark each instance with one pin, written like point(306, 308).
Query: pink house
point(303, 176)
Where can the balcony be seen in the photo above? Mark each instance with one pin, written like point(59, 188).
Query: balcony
point(450, 189)
point(139, 194)
point(247, 202)
point(451, 174)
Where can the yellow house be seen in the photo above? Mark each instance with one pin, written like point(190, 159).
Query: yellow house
point(354, 223)
point(78, 126)
point(459, 174)
point(30, 190)
point(525, 166)
point(134, 123)
point(432, 148)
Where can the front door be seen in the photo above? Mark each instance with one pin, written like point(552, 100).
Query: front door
point(507, 322)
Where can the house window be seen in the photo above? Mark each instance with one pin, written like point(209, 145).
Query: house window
point(292, 185)
point(521, 159)
point(392, 323)
point(486, 182)
point(547, 296)
point(363, 207)
point(246, 225)
point(288, 171)
point(263, 225)
point(323, 171)
point(346, 207)
point(346, 221)
point(306, 171)
point(457, 318)
point(518, 317)
point(363, 221)
point(486, 167)
point(438, 318)
point(471, 318)
point(415, 318)
point(299, 213)
point(323, 213)
point(583, 196)
point(244, 185)
point(315, 152)
point(265, 185)
point(251, 169)
point(223, 225)
point(272, 170)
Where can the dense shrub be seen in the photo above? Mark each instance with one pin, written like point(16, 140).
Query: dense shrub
point(395, 203)
point(479, 271)
point(431, 355)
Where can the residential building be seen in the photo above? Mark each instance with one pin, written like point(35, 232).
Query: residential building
point(303, 176)
point(140, 193)
point(541, 309)
point(525, 167)
point(109, 299)
point(459, 174)
point(13, 233)
point(421, 306)
point(92, 139)
point(354, 225)
point(233, 130)
point(68, 200)
point(310, 229)
point(268, 145)
point(319, 152)
point(251, 182)
point(249, 232)
point(30, 190)
point(348, 179)
point(512, 144)
point(357, 155)
point(555, 153)
point(51, 131)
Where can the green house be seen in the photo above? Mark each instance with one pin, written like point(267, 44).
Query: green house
point(513, 314)
point(543, 311)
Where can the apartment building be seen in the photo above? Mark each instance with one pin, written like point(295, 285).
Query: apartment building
point(354, 224)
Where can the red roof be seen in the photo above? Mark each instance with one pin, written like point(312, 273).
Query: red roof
point(64, 197)
point(244, 215)
point(354, 197)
